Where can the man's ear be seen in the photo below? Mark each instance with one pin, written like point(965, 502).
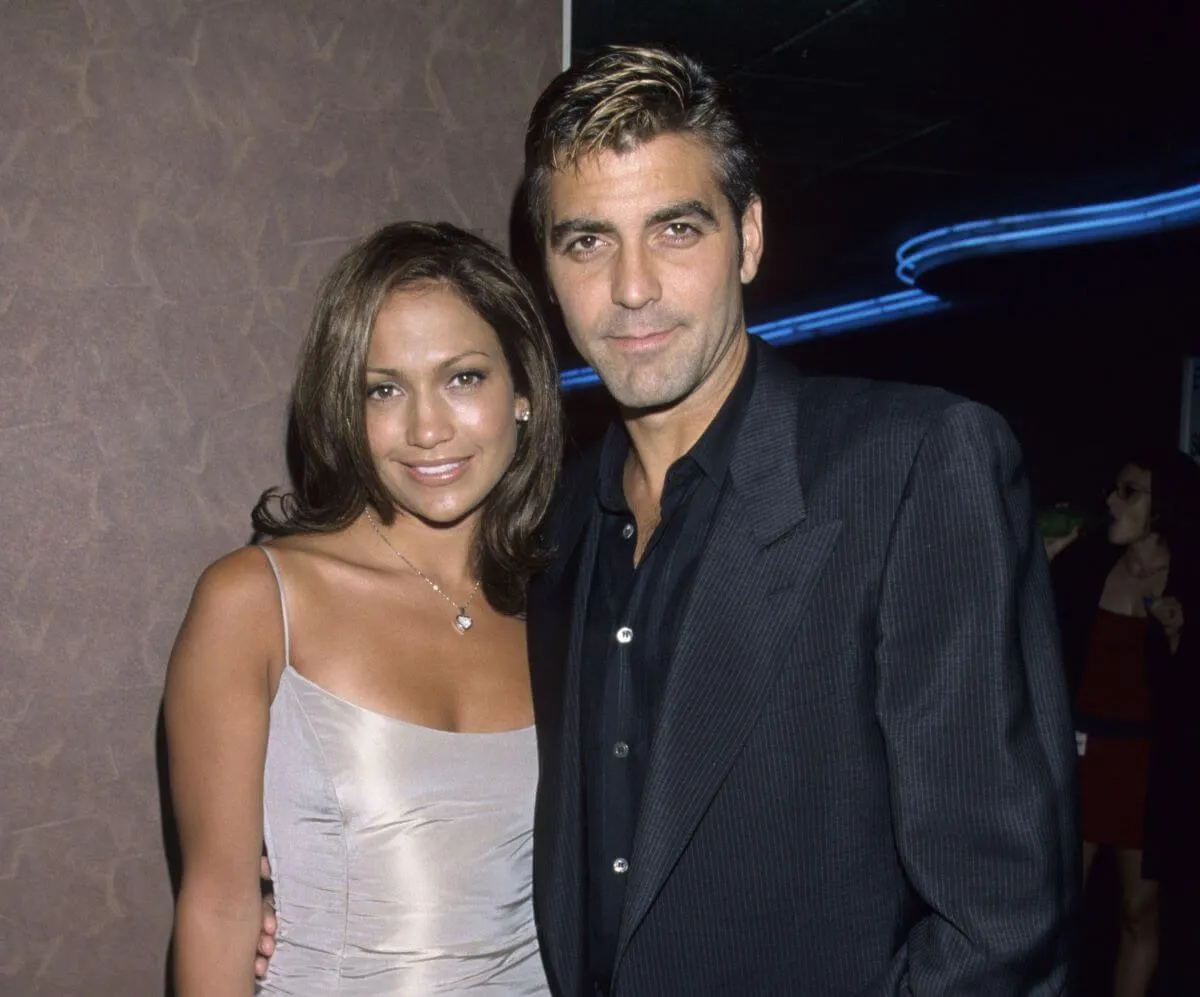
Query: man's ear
point(752, 239)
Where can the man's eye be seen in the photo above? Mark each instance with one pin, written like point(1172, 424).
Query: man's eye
point(680, 230)
point(584, 244)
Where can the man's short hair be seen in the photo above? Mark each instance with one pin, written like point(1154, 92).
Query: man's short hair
point(623, 97)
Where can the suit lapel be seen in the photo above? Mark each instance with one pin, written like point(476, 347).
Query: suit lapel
point(758, 572)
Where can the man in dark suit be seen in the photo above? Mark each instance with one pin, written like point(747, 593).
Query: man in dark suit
point(801, 718)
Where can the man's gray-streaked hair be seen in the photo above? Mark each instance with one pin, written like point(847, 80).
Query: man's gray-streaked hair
point(623, 97)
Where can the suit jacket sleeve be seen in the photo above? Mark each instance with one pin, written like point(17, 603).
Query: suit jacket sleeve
point(973, 706)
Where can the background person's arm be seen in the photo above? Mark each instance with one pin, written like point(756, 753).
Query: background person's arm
point(973, 705)
point(217, 705)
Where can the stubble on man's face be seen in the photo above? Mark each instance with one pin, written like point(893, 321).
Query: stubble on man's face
point(643, 254)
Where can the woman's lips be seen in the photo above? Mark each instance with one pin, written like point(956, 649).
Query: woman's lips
point(439, 473)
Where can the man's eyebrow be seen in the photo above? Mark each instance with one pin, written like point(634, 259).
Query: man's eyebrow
point(578, 226)
point(684, 209)
point(669, 213)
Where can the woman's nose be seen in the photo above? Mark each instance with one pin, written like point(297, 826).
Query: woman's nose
point(429, 422)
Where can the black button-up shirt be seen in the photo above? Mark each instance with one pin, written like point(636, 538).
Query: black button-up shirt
point(633, 619)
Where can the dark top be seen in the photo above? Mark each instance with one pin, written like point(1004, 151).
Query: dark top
point(1172, 808)
point(633, 617)
point(1114, 691)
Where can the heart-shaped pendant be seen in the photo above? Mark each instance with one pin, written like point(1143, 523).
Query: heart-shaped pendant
point(463, 623)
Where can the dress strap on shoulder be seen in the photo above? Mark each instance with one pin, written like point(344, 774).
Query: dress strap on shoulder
point(283, 609)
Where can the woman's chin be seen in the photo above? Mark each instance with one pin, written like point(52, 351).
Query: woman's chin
point(442, 516)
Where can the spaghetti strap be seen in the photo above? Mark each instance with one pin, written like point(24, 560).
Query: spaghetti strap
point(287, 636)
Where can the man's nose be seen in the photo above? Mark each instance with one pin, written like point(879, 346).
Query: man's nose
point(635, 281)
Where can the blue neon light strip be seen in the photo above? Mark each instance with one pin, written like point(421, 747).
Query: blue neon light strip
point(811, 324)
point(1090, 223)
point(844, 317)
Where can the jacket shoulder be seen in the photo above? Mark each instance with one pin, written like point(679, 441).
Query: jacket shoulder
point(849, 415)
point(909, 406)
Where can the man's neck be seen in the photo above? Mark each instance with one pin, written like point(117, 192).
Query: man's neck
point(660, 437)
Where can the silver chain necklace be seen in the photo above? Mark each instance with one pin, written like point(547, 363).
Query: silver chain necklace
point(463, 620)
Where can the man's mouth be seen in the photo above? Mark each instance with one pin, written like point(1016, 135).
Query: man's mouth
point(635, 342)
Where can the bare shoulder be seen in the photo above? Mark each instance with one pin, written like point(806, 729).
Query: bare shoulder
point(234, 615)
point(239, 582)
point(304, 557)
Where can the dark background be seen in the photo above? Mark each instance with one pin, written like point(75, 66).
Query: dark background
point(877, 120)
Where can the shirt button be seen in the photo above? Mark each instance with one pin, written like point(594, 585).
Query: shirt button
point(620, 750)
point(627, 531)
point(621, 866)
point(624, 635)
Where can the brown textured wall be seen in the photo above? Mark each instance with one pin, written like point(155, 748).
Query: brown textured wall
point(175, 176)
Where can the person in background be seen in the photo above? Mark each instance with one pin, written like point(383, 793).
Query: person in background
point(356, 690)
point(1123, 600)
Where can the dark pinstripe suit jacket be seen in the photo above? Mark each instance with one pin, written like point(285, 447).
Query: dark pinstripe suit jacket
point(862, 776)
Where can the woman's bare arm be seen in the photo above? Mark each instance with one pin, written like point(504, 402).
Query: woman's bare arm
point(216, 706)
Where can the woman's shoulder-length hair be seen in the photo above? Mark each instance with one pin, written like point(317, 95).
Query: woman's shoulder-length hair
point(333, 475)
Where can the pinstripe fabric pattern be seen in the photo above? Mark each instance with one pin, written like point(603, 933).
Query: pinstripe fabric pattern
point(862, 779)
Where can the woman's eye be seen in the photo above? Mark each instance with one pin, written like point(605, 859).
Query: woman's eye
point(467, 378)
point(381, 392)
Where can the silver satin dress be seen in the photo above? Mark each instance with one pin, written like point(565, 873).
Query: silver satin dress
point(401, 855)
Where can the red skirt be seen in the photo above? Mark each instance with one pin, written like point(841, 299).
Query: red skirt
point(1113, 775)
point(1114, 771)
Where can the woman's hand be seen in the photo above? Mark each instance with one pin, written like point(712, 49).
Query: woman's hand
point(1056, 545)
point(1169, 612)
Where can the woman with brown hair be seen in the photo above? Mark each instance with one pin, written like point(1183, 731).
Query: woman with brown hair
point(355, 691)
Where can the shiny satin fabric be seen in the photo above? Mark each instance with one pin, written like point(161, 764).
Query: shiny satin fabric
point(401, 854)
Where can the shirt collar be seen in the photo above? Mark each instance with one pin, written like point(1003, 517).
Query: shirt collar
point(712, 453)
